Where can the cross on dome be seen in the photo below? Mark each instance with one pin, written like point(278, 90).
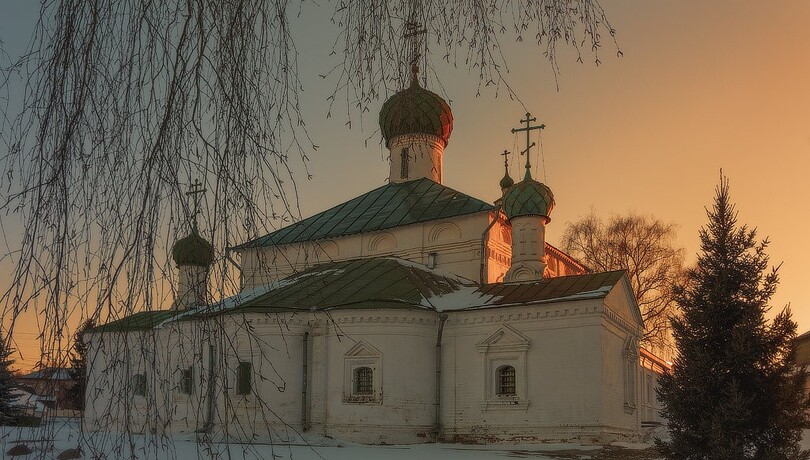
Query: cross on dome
point(528, 129)
point(195, 190)
point(413, 30)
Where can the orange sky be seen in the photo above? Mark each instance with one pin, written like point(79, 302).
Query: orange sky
point(701, 86)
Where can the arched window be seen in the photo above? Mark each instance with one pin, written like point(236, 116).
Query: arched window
point(363, 381)
point(506, 381)
point(139, 384)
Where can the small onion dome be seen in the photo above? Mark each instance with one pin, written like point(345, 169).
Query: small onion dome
point(507, 181)
point(416, 110)
point(528, 198)
point(193, 250)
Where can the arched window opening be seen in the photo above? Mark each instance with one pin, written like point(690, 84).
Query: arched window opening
point(139, 384)
point(363, 381)
point(506, 381)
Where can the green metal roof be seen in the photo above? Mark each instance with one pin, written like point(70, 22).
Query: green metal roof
point(360, 283)
point(381, 283)
point(140, 321)
point(561, 287)
point(390, 282)
point(385, 207)
point(547, 290)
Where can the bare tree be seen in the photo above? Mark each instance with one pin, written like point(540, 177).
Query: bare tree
point(646, 248)
point(125, 103)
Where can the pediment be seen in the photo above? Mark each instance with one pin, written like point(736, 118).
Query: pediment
point(363, 349)
point(622, 300)
point(504, 338)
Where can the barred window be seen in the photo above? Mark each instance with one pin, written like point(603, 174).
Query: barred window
point(363, 381)
point(506, 381)
point(403, 168)
point(186, 381)
point(244, 378)
point(139, 384)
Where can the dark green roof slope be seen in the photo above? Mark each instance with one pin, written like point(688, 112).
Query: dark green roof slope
point(378, 283)
point(385, 207)
point(140, 321)
point(559, 289)
point(359, 283)
point(562, 287)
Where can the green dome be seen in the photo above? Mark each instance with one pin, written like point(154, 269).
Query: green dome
point(416, 111)
point(528, 198)
point(193, 250)
point(507, 181)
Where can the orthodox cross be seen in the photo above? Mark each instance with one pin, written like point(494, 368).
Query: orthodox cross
point(529, 128)
point(505, 156)
point(413, 30)
point(195, 191)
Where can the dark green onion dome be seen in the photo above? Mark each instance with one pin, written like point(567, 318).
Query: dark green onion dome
point(507, 181)
point(193, 250)
point(416, 110)
point(528, 198)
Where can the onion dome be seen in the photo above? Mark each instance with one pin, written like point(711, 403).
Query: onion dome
point(416, 110)
point(193, 250)
point(507, 181)
point(528, 198)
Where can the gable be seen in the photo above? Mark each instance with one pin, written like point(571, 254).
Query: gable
point(362, 349)
point(622, 301)
point(389, 206)
point(503, 339)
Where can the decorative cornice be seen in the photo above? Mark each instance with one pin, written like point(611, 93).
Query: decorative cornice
point(615, 318)
point(498, 315)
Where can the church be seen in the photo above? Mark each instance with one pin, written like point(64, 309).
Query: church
point(411, 313)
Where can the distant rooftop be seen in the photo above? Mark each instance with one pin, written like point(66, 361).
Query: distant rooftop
point(48, 373)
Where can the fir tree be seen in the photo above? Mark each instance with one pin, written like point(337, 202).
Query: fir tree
point(8, 407)
point(78, 366)
point(734, 391)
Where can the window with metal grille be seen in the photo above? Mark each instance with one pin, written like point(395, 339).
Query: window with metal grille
point(139, 384)
point(403, 169)
point(244, 378)
point(186, 381)
point(506, 381)
point(363, 381)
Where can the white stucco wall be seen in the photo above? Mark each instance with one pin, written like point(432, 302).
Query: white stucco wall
point(561, 373)
point(400, 347)
point(568, 358)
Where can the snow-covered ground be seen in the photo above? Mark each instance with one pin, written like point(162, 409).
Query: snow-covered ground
point(49, 441)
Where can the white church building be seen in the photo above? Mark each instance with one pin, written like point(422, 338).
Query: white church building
point(411, 313)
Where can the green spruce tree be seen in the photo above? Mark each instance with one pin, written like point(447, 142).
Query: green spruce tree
point(8, 409)
point(734, 392)
point(78, 366)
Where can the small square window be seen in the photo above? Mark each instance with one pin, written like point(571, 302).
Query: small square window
point(186, 381)
point(244, 378)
